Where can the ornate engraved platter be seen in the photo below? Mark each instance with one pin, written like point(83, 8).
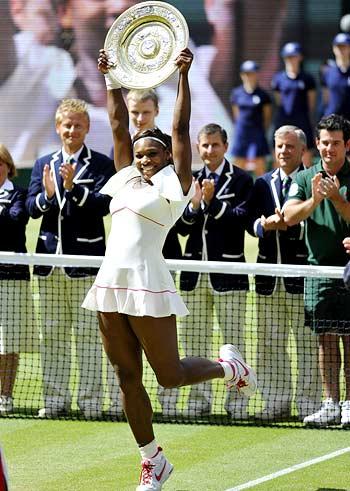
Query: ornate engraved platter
point(143, 43)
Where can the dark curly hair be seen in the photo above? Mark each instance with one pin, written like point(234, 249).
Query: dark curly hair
point(334, 122)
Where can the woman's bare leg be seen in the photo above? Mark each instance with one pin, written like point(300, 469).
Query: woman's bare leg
point(158, 337)
point(123, 336)
point(124, 352)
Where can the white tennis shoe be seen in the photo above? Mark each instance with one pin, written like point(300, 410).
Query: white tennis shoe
point(244, 377)
point(329, 414)
point(154, 473)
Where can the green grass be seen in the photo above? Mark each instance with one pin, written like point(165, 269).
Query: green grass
point(92, 456)
point(78, 456)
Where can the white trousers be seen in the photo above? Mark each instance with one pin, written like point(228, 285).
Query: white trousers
point(62, 317)
point(196, 335)
point(279, 316)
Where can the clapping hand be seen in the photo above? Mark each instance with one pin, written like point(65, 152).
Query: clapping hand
point(197, 198)
point(48, 181)
point(274, 222)
point(208, 190)
point(329, 187)
point(67, 172)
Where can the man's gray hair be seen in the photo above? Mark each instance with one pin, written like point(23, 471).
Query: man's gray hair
point(288, 128)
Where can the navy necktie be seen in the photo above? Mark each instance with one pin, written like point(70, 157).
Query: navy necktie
point(285, 186)
point(214, 176)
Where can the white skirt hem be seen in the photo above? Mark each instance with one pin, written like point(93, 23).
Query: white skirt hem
point(138, 303)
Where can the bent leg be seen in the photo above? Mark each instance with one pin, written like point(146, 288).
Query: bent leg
point(158, 337)
point(125, 354)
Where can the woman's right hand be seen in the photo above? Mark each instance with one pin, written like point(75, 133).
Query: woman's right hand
point(103, 64)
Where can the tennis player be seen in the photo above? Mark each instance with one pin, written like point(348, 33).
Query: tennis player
point(134, 292)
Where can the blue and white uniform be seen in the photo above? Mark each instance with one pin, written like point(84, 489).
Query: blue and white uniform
point(338, 84)
point(249, 138)
point(294, 107)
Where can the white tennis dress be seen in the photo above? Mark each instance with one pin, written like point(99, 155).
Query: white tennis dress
point(133, 278)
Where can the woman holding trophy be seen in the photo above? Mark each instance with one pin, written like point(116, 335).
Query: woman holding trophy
point(134, 293)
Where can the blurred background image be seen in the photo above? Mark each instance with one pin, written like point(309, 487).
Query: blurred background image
point(48, 51)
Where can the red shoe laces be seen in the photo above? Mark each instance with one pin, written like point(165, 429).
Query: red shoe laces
point(146, 472)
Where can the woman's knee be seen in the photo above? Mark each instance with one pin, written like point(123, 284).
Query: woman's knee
point(171, 378)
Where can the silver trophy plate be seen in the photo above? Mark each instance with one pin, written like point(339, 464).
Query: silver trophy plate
point(143, 42)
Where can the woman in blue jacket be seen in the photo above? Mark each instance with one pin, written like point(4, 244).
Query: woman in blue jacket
point(15, 296)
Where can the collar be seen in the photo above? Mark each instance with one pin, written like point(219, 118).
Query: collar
point(345, 169)
point(7, 186)
point(291, 175)
point(218, 171)
point(76, 155)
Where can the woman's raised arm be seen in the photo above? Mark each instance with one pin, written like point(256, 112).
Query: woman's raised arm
point(118, 116)
point(181, 122)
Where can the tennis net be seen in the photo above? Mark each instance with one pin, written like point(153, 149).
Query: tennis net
point(51, 352)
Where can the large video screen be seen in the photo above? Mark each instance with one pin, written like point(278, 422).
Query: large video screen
point(49, 48)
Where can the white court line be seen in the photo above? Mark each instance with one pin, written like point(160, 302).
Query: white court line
point(293, 468)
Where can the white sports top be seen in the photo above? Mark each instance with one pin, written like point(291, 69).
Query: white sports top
point(133, 278)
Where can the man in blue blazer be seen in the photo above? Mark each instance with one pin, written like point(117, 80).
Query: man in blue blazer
point(64, 192)
point(279, 301)
point(214, 222)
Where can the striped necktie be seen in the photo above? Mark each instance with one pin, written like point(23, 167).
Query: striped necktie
point(285, 186)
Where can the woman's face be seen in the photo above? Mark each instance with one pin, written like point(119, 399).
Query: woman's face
point(150, 156)
point(4, 172)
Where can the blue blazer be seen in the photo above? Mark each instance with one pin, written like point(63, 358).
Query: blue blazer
point(285, 247)
point(216, 232)
point(72, 222)
point(13, 220)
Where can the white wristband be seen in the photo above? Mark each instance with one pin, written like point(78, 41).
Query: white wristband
point(111, 83)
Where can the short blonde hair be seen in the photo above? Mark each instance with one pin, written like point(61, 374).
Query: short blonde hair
point(6, 157)
point(72, 106)
point(143, 95)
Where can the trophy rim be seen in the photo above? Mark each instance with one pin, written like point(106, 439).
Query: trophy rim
point(145, 80)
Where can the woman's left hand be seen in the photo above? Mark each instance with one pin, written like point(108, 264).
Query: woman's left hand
point(184, 60)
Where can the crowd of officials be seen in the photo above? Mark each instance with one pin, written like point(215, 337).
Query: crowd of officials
point(299, 211)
